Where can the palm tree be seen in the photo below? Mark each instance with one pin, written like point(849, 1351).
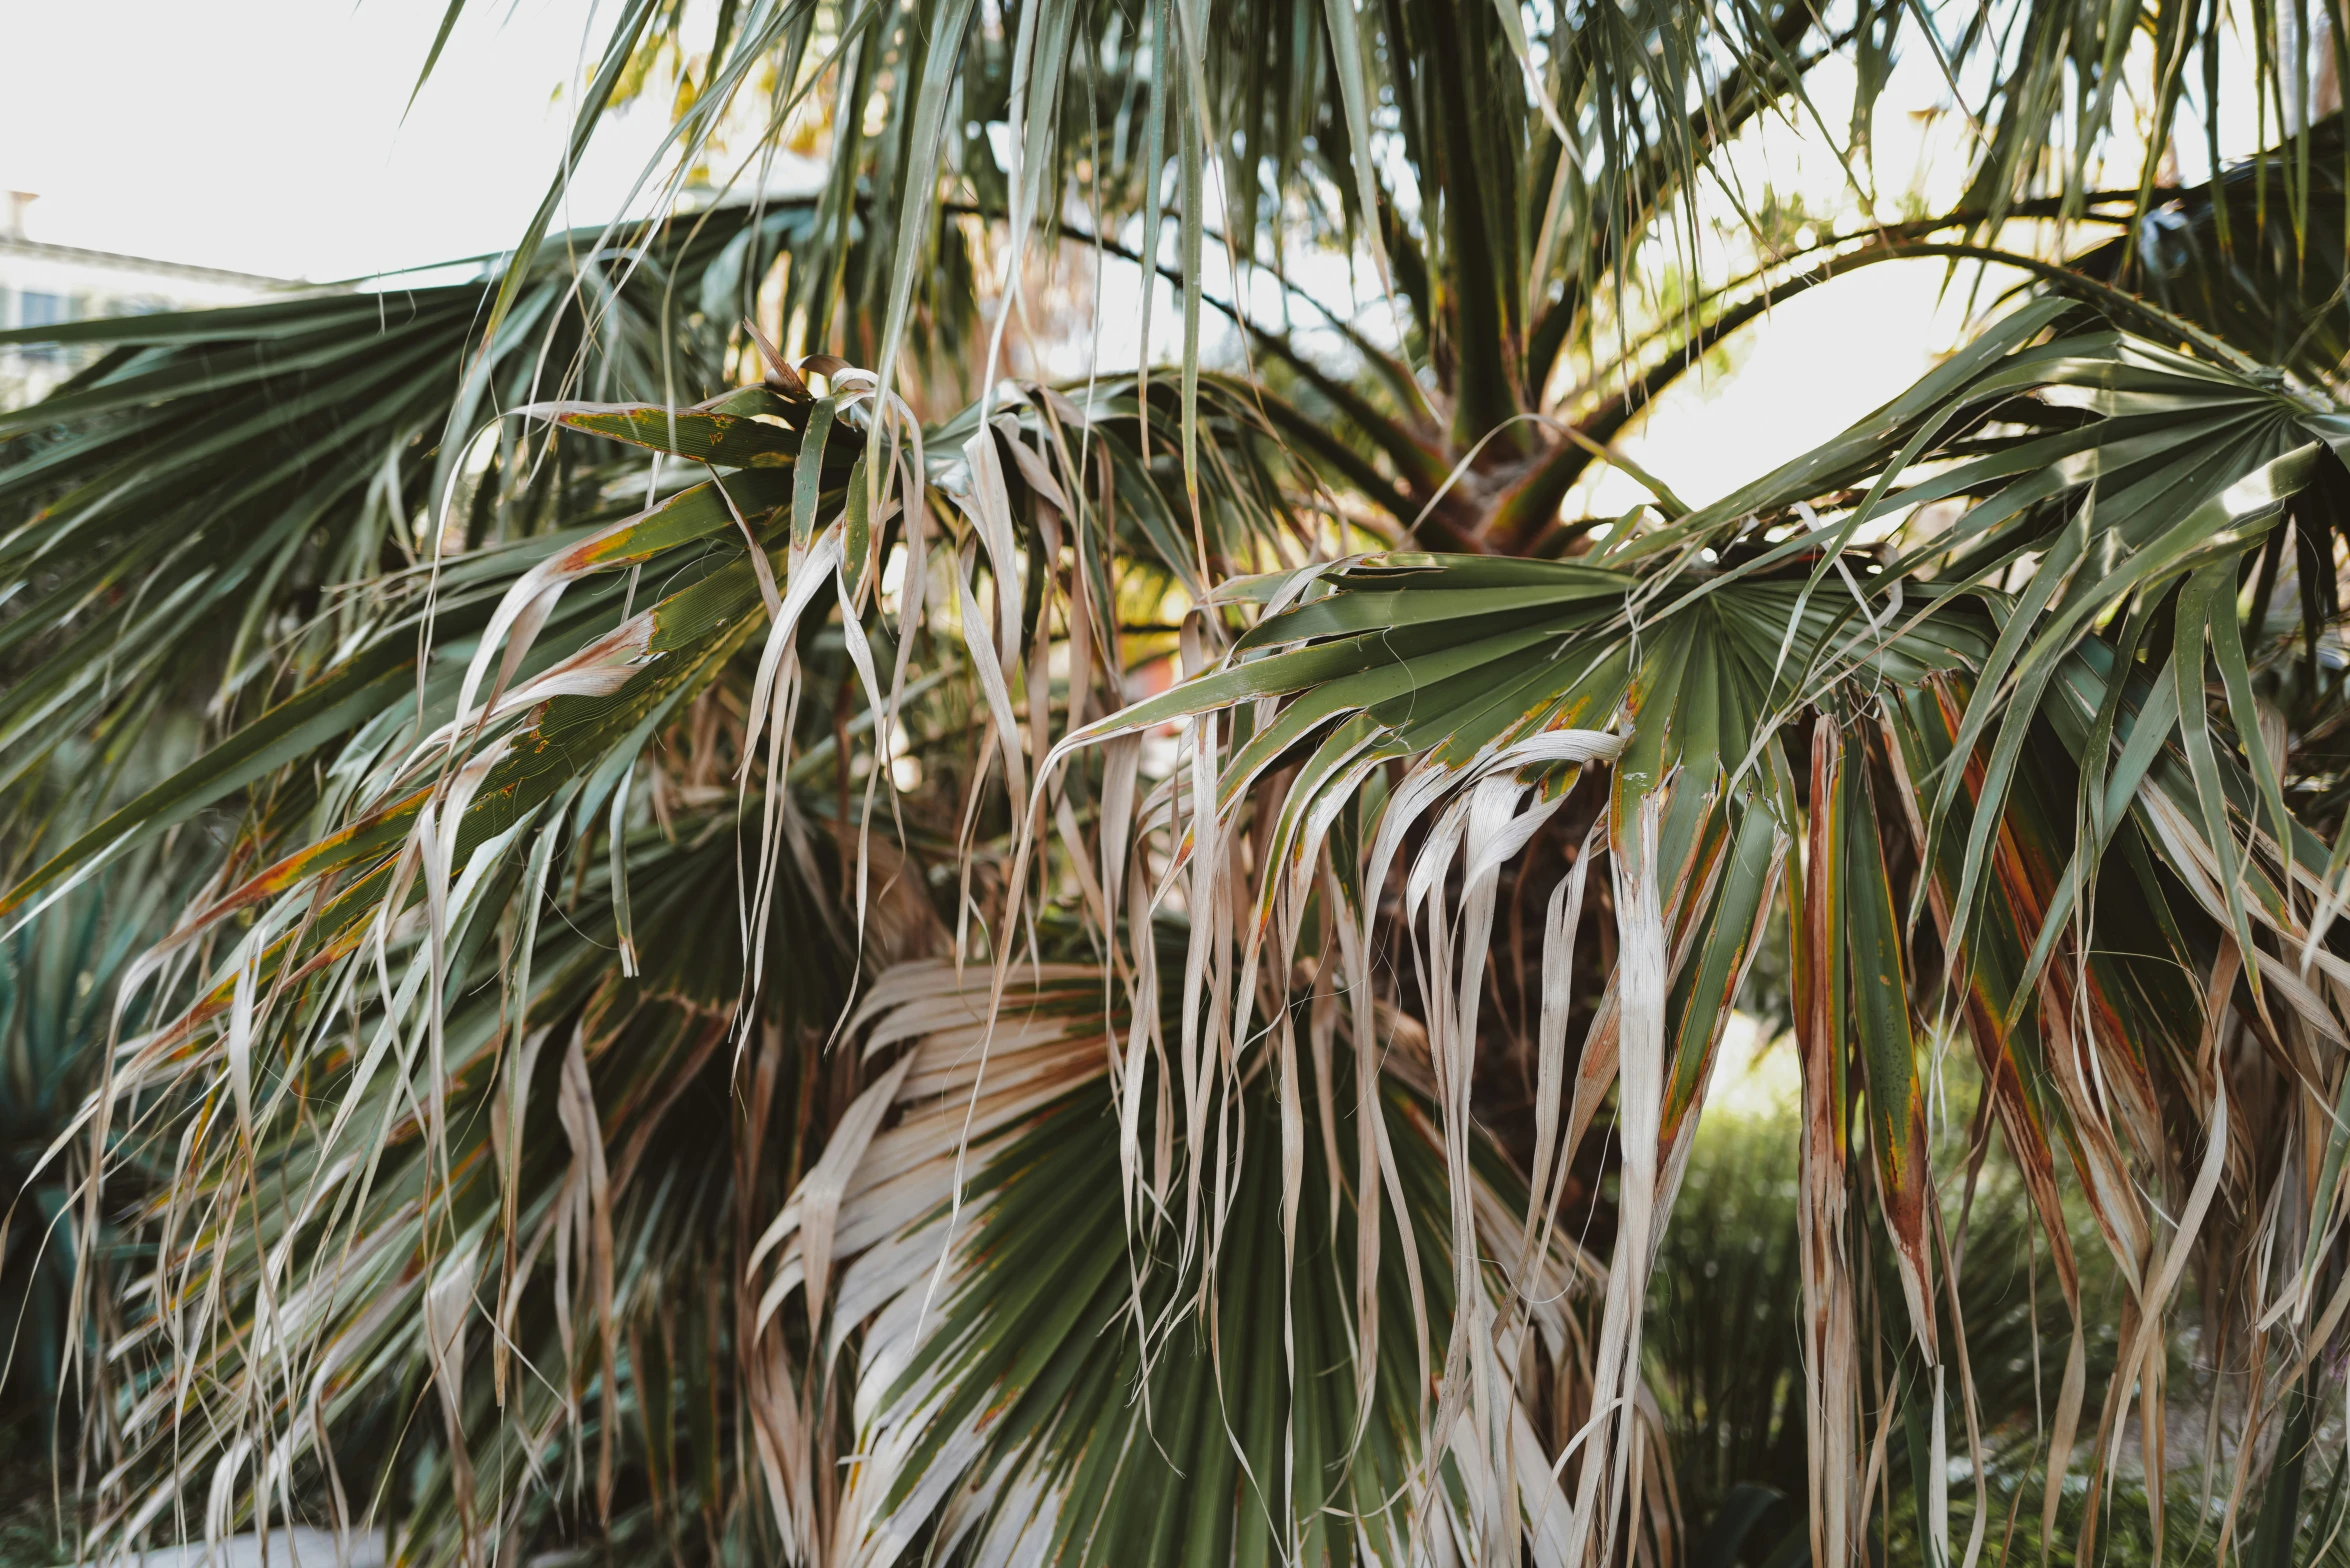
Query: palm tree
point(716, 1022)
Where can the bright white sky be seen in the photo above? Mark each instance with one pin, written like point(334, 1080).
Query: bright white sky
point(273, 136)
point(267, 135)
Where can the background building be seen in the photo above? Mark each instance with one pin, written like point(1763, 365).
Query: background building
point(44, 285)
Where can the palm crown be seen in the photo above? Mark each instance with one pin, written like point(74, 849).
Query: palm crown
point(713, 1018)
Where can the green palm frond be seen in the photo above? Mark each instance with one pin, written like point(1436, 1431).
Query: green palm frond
point(365, 430)
point(2254, 255)
point(382, 922)
point(1032, 1387)
point(1506, 167)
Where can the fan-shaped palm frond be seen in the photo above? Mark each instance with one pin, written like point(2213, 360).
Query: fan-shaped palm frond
point(2122, 484)
point(1037, 1382)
